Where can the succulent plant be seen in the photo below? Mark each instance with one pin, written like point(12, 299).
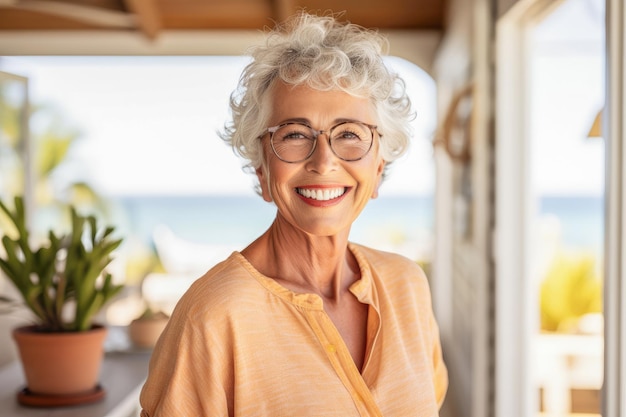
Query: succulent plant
point(63, 281)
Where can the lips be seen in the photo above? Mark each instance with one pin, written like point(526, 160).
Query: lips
point(321, 194)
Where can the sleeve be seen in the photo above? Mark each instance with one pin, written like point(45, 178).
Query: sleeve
point(440, 371)
point(189, 372)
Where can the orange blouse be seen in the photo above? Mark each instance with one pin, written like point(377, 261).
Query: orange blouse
point(240, 344)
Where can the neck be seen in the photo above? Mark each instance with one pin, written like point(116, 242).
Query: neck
point(321, 265)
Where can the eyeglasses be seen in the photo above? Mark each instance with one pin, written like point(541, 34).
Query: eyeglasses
point(295, 142)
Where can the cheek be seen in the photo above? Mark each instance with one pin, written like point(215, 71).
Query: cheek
point(371, 174)
point(273, 176)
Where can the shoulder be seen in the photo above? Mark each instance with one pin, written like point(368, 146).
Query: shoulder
point(386, 261)
point(392, 273)
point(225, 286)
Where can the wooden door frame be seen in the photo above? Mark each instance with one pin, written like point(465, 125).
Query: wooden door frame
point(514, 298)
point(614, 389)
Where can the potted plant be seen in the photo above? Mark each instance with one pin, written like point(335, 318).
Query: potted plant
point(64, 282)
point(144, 331)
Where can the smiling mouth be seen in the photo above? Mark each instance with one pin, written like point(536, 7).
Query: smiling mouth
point(321, 194)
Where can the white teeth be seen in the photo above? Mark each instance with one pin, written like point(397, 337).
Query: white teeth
point(321, 194)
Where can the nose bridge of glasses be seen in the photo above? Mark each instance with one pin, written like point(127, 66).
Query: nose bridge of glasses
point(318, 133)
point(328, 143)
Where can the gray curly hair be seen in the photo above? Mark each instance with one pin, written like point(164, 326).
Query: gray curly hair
point(324, 54)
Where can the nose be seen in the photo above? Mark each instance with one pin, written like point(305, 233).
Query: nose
point(323, 158)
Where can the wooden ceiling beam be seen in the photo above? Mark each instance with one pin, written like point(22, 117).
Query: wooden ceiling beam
point(86, 14)
point(147, 16)
point(216, 14)
point(151, 17)
point(388, 14)
point(283, 9)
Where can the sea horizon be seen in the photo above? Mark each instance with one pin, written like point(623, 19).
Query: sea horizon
point(388, 222)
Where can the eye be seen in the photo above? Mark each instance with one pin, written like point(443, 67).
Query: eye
point(294, 132)
point(349, 132)
point(349, 135)
point(293, 135)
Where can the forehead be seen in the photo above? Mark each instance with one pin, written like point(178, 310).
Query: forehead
point(316, 106)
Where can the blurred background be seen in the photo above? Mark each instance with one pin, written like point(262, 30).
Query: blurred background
point(501, 198)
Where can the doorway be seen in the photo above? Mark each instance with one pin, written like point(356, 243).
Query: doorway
point(550, 208)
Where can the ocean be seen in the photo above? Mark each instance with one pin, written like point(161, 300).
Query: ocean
point(581, 221)
point(403, 224)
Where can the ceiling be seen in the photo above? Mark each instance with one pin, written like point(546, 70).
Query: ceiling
point(151, 17)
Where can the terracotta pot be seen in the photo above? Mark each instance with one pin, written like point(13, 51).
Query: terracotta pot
point(145, 332)
point(60, 363)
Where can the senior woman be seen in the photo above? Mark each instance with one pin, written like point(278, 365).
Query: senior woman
point(303, 322)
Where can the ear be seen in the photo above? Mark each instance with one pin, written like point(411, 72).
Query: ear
point(379, 177)
point(264, 184)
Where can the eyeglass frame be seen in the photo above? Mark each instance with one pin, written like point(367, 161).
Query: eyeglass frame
point(273, 129)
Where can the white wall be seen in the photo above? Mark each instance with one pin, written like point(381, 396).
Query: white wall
point(463, 268)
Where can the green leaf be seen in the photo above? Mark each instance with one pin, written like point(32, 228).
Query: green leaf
point(52, 150)
point(65, 269)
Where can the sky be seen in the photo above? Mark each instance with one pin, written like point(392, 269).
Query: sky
point(566, 78)
point(149, 124)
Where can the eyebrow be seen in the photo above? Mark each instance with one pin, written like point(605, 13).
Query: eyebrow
point(307, 122)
